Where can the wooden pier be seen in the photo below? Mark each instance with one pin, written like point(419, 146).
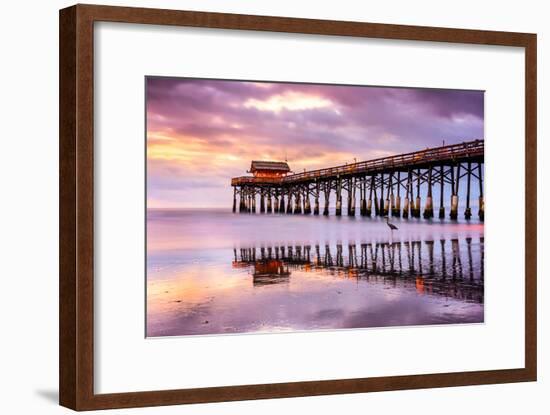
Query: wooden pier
point(393, 185)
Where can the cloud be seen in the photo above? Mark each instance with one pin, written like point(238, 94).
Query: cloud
point(200, 133)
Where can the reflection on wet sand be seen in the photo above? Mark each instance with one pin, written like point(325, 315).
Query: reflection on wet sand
point(431, 267)
point(279, 287)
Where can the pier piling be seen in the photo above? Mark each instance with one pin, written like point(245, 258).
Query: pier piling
point(441, 192)
point(468, 211)
point(454, 198)
point(429, 209)
point(338, 196)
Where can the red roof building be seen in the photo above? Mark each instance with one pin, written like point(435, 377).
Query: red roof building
point(274, 169)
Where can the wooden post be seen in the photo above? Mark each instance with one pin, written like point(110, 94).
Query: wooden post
point(376, 205)
point(338, 196)
point(454, 197)
point(327, 198)
point(276, 201)
point(297, 203)
point(348, 181)
point(468, 211)
point(234, 199)
point(368, 210)
point(289, 201)
point(307, 206)
point(389, 189)
point(282, 202)
point(429, 209)
point(262, 201)
point(442, 192)
point(351, 195)
point(317, 190)
point(269, 208)
point(397, 209)
point(417, 208)
point(481, 200)
point(363, 208)
point(241, 200)
point(253, 200)
point(406, 207)
point(381, 208)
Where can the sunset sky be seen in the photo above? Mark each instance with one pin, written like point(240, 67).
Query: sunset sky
point(201, 133)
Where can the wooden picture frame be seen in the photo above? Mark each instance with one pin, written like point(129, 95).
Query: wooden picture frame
point(76, 305)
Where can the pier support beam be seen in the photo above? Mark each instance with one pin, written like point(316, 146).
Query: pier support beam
point(269, 207)
point(396, 200)
point(234, 199)
point(363, 201)
point(307, 205)
point(429, 209)
point(327, 199)
point(381, 208)
point(241, 201)
point(368, 212)
point(276, 203)
point(406, 205)
point(417, 207)
point(253, 202)
point(481, 201)
point(297, 204)
point(406, 208)
point(316, 203)
point(442, 192)
point(376, 205)
point(389, 195)
point(454, 197)
point(282, 203)
point(338, 197)
point(397, 210)
point(468, 211)
point(289, 203)
point(351, 196)
point(262, 202)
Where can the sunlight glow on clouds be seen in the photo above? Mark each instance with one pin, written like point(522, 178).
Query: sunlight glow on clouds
point(291, 101)
point(201, 133)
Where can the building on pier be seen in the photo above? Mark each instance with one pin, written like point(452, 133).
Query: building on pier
point(269, 169)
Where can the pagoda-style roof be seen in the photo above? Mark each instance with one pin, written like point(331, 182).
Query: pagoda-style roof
point(274, 166)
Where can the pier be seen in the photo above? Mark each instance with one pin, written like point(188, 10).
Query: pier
point(400, 185)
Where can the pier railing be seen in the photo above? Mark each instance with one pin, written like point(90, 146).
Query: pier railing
point(450, 153)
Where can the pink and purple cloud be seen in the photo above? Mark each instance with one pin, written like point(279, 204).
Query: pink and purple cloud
point(200, 133)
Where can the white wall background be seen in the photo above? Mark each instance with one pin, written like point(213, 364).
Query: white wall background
point(29, 210)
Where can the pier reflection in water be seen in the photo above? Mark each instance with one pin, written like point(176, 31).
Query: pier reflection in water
point(430, 267)
point(294, 286)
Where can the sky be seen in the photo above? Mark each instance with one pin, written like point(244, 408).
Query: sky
point(201, 133)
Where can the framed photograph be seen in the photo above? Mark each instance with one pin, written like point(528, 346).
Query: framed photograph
point(258, 207)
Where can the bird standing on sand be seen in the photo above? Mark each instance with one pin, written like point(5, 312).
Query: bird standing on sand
point(391, 225)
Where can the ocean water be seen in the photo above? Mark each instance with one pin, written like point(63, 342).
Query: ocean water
point(215, 272)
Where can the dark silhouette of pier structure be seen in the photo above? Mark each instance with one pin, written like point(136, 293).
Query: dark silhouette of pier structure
point(386, 186)
point(452, 268)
